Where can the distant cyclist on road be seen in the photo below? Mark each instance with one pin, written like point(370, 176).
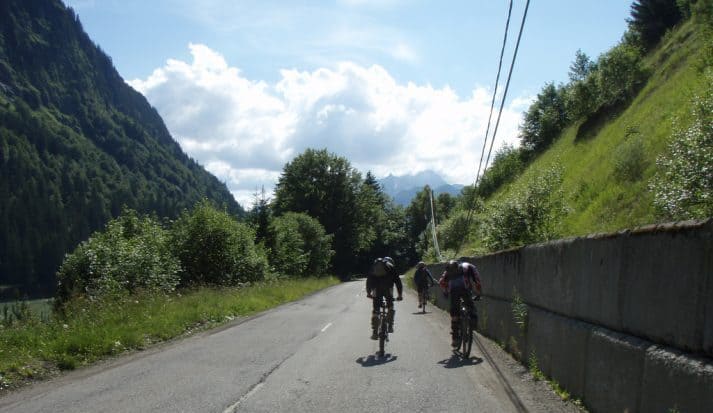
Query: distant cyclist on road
point(423, 280)
point(460, 280)
point(380, 283)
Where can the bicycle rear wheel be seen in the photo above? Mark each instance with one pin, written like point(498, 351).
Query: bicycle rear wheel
point(382, 334)
point(466, 334)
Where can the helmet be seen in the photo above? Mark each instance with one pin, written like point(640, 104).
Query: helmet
point(421, 264)
point(452, 266)
point(389, 260)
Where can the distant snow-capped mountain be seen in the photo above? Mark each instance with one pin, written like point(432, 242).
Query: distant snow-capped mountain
point(404, 188)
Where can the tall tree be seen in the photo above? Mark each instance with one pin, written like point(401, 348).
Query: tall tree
point(581, 67)
point(260, 216)
point(544, 119)
point(326, 187)
point(651, 18)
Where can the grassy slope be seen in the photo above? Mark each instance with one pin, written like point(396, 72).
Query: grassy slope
point(598, 202)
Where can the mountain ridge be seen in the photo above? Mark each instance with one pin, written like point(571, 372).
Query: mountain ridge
point(403, 188)
point(77, 144)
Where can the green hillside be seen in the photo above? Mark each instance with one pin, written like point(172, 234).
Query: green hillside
point(76, 145)
point(598, 174)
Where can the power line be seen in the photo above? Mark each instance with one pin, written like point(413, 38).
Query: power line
point(507, 84)
point(500, 112)
point(495, 92)
point(492, 106)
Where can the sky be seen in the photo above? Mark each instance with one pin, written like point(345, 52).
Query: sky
point(394, 86)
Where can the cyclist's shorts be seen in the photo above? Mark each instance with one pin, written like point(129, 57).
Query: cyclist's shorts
point(455, 295)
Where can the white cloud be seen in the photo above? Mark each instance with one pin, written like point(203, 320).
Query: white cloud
point(244, 131)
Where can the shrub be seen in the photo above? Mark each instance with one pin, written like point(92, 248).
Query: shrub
point(132, 253)
point(683, 186)
point(215, 249)
point(530, 215)
point(620, 74)
point(630, 160)
point(300, 246)
point(506, 166)
point(454, 231)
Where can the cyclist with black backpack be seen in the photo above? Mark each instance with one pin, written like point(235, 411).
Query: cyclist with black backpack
point(460, 280)
point(380, 283)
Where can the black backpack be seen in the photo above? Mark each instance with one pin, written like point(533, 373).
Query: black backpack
point(379, 268)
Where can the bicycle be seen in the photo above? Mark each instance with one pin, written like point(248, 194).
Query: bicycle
point(383, 324)
point(466, 327)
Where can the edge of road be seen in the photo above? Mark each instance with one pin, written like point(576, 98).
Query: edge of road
point(513, 376)
point(35, 387)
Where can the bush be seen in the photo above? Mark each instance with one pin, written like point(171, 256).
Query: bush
point(630, 160)
point(683, 187)
point(620, 74)
point(215, 249)
point(300, 246)
point(506, 166)
point(529, 216)
point(453, 232)
point(133, 253)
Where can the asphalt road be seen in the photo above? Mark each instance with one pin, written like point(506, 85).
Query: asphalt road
point(313, 355)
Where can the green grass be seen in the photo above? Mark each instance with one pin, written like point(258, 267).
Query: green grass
point(40, 308)
point(92, 331)
point(597, 200)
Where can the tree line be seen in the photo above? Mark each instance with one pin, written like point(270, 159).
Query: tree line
point(324, 218)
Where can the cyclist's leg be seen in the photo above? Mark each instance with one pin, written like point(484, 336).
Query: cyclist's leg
point(391, 312)
point(455, 319)
point(375, 308)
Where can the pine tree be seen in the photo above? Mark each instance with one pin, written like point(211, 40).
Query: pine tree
point(651, 18)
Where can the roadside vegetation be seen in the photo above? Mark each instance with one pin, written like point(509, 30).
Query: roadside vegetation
point(143, 280)
point(628, 141)
point(87, 329)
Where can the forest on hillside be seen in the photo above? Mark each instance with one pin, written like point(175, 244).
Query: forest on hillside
point(76, 145)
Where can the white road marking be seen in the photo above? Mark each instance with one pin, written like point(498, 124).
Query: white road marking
point(326, 327)
point(234, 407)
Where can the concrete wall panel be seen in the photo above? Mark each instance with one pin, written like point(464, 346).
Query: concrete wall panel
point(663, 285)
point(615, 366)
point(676, 382)
point(543, 282)
point(560, 345)
point(500, 273)
point(594, 265)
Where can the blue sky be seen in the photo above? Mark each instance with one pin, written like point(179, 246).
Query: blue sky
point(395, 86)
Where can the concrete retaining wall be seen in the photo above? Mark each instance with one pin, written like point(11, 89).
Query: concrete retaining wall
point(623, 321)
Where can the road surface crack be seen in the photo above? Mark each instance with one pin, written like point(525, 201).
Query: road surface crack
point(253, 389)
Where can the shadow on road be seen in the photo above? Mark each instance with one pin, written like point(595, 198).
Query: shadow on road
point(456, 361)
point(421, 313)
point(370, 361)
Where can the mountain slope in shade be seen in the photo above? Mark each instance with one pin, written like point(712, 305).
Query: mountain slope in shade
point(76, 145)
